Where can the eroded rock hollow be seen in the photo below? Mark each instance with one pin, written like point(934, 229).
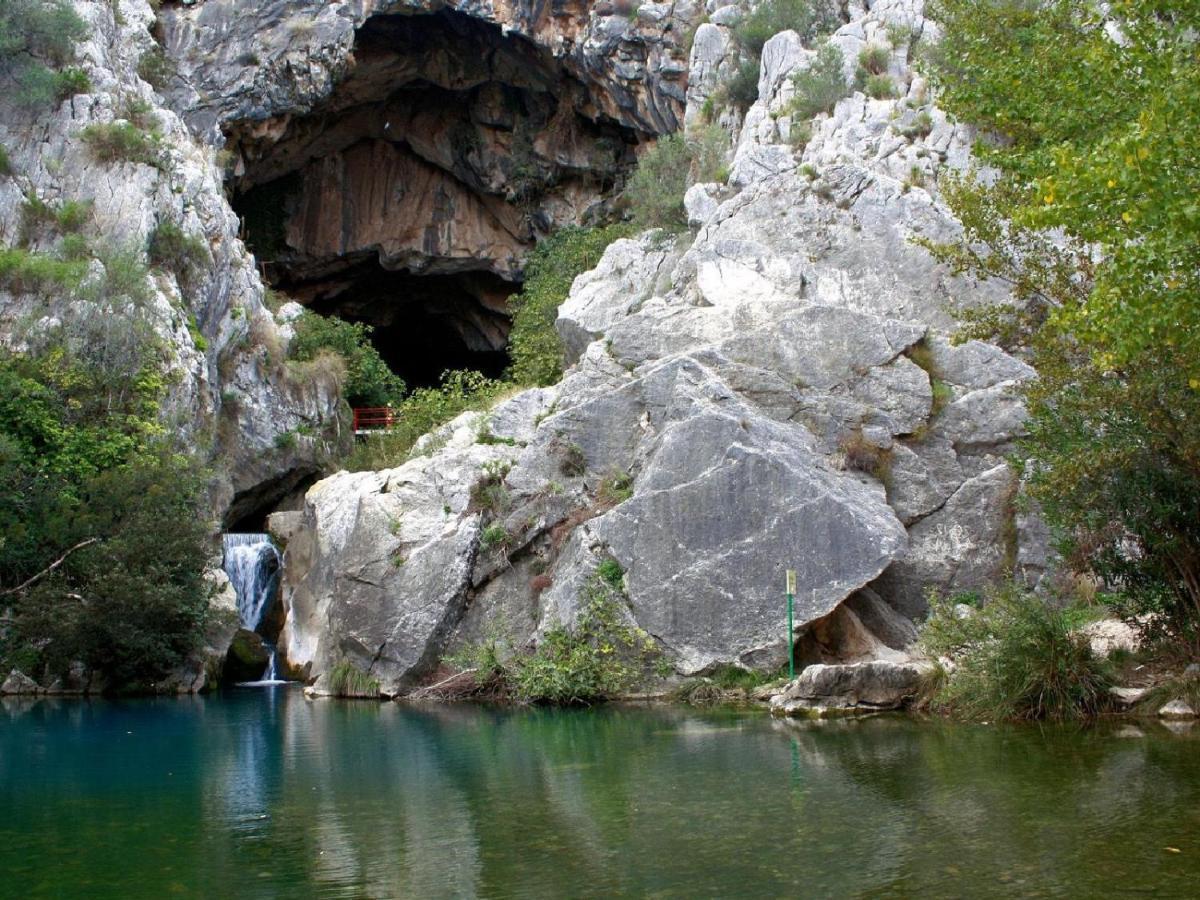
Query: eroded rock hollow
point(410, 197)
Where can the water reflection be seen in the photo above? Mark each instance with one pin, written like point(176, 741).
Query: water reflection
point(265, 794)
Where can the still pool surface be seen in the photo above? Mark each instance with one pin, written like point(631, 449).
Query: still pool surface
point(260, 793)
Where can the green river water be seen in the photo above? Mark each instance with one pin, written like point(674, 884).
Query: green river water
point(260, 793)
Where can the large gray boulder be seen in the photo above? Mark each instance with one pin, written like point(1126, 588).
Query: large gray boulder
point(851, 689)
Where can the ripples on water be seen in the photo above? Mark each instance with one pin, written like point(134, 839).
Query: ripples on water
point(260, 793)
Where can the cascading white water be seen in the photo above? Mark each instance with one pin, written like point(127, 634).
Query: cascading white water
point(252, 564)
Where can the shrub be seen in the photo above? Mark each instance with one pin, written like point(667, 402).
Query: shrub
point(156, 68)
point(37, 36)
point(123, 142)
point(171, 248)
point(1016, 657)
point(800, 132)
point(920, 127)
point(25, 270)
point(708, 146)
point(742, 88)
point(422, 411)
point(615, 488)
point(873, 59)
point(38, 216)
point(808, 18)
point(369, 381)
point(494, 537)
point(655, 191)
point(879, 87)
point(534, 346)
point(863, 456)
point(5, 163)
point(85, 480)
point(820, 86)
point(600, 658)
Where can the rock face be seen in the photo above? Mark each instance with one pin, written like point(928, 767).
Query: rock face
point(228, 388)
point(851, 689)
point(373, 142)
point(775, 391)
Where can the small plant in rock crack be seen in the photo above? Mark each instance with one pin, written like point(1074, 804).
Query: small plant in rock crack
point(616, 488)
point(571, 459)
point(489, 493)
point(494, 537)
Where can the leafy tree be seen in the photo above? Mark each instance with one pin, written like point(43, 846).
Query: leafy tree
point(369, 381)
point(808, 18)
point(103, 536)
point(1093, 220)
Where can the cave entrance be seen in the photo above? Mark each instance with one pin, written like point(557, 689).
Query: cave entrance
point(410, 198)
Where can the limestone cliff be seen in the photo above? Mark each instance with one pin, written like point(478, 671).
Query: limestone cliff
point(776, 390)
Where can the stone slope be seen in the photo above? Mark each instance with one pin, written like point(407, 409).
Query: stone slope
point(778, 388)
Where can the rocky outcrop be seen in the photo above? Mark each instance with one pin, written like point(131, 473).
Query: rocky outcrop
point(831, 690)
point(775, 391)
point(228, 388)
point(371, 143)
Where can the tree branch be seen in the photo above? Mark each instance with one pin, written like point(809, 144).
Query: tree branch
point(50, 568)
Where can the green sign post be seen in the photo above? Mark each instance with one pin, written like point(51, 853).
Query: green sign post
point(791, 598)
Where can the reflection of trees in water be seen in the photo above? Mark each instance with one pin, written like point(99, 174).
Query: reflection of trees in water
point(278, 797)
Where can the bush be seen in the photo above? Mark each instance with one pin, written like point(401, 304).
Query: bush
point(25, 270)
point(171, 248)
point(37, 36)
point(123, 142)
point(808, 18)
point(820, 86)
point(534, 345)
point(421, 412)
point(600, 658)
point(347, 680)
point(873, 59)
point(1017, 657)
point(879, 87)
point(655, 192)
point(5, 163)
point(742, 88)
point(369, 381)
point(84, 480)
point(156, 68)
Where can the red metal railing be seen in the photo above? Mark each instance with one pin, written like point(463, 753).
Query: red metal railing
point(367, 418)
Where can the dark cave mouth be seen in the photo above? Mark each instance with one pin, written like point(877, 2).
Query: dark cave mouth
point(422, 325)
point(410, 198)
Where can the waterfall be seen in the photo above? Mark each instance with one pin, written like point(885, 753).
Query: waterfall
point(252, 564)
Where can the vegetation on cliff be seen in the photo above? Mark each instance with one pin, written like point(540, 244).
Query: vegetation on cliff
point(103, 531)
point(1094, 222)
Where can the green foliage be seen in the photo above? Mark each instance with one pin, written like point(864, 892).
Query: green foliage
point(600, 658)
point(123, 142)
point(80, 464)
point(1095, 144)
point(170, 247)
point(6, 168)
point(879, 87)
point(617, 487)
point(821, 85)
point(494, 537)
point(347, 680)
point(655, 191)
point(156, 68)
point(24, 270)
point(369, 381)
point(36, 37)
point(534, 345)
point(742, 87)
point(422, 411)
point(808, 18)
point(1015, 657)
point(610, 572)
point(873, 59)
